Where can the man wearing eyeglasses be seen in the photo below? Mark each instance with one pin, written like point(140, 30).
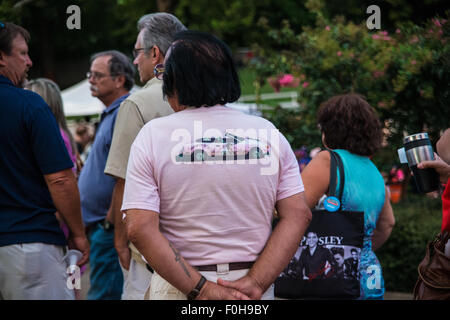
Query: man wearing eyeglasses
point(111, 77)
point(156, 32)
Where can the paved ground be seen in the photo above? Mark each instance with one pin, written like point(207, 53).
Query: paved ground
point(387, 296)
point(84, 283)
point(398, 296)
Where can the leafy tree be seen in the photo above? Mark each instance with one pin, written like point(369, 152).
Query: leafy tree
point(234, 20)
point(404, 75)
point(62, 54)
point(393, 12)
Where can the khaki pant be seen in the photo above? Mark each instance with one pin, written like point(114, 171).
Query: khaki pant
point(136, 280)
point(34, 271)
point(160, 289)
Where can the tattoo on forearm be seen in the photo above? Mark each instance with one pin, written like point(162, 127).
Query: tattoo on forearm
point(178, 259)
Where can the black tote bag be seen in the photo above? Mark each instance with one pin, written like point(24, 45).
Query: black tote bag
point(326, 263)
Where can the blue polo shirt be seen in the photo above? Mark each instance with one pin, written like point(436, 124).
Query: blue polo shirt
point(95, 186)
point(30, 147)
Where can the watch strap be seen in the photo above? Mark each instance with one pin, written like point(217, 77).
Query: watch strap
point(196, 291)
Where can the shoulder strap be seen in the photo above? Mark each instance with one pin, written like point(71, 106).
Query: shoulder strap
point(336, 162)
point(333, 175)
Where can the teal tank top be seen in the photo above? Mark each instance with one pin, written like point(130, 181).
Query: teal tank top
point(364, 190)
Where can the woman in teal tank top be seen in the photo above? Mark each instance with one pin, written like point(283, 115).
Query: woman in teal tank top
point(350, 127)
point(364, 190)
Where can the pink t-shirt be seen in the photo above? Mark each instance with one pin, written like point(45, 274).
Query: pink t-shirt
point(210, 209)
point(72, 155)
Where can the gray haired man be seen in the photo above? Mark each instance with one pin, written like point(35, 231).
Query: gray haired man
point(156, 32)
point(111, 77)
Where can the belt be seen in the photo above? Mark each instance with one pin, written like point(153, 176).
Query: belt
point(231, 266)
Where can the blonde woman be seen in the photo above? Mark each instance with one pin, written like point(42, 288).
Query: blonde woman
point(51, 93)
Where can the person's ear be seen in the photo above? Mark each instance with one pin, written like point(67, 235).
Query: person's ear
point(120, 81)
point(157, 56)
point(2, 59)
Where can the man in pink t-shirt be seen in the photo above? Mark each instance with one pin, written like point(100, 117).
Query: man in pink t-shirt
point(202, 185)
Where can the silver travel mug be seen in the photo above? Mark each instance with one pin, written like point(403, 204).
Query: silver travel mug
point(418, 148)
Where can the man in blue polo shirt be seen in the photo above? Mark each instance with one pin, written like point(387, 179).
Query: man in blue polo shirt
point(36, 181)
point(111, 77)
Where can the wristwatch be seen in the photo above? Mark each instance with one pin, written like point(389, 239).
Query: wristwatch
point(196, 291)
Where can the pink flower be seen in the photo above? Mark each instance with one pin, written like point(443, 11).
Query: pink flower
point(327, 28)
point(286, 79)
point(305, 84)
point(397, 31)
point(352, 55)
point(339, 53)
point(436, 23)
point(381, 104)
point(384, 33)
point(375, 37)
point(274, 83)
point(387, 38)
point(378, 74)
point(414, 39)
point(413, 62)
point(400, 175)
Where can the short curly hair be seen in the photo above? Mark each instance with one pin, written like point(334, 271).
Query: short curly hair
point(349, 122)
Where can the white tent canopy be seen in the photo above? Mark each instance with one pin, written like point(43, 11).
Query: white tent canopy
point(79, 102)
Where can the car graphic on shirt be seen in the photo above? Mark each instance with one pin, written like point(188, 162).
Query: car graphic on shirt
point(228, 147)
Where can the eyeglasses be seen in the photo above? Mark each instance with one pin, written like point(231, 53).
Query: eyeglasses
point(158, 71)
point(136, 52)
point(97, 75)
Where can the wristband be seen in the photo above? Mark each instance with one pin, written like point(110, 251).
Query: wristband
point(196, 291)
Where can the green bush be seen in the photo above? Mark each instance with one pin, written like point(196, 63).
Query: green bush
point(418, 220)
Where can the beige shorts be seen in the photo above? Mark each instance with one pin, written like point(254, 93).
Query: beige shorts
point(160, 289)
